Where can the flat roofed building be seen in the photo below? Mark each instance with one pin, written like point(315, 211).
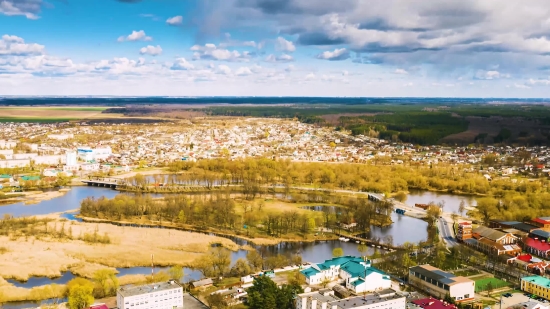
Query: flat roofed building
point(440, 283)
point(385, 299)
point(164, 295)
point(530, 304)
point(536, 285)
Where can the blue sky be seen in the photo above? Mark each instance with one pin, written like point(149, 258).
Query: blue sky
point(470, 48)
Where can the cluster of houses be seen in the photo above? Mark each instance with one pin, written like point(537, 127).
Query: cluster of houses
point(509, 237)
point(160, 143)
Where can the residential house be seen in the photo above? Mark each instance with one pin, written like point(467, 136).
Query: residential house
point(536, 285)
point(464, 231)
point(540, 234)
point(440, 284)
point(493, 241)
point(542, 222)
point(202, 284)
point(538, 247)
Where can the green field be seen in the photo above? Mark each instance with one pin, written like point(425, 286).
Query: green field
point(481, 284)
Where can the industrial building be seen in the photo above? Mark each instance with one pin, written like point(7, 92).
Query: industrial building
point(439, 283)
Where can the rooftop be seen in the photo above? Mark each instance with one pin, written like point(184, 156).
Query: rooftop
point(530, 304)
point(437, 274)
point(488, 233)
point(359, 301)
point(537, 244)
point(324, 298)
point(148, 288)
point(432, 303)
point(538, 280)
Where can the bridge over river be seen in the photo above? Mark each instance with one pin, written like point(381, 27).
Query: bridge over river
point(104, 182)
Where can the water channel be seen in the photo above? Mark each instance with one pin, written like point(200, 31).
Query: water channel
point(403, 229)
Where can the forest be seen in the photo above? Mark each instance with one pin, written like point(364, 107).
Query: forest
point(423, 123)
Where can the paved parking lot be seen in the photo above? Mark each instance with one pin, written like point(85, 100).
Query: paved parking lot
point(189, 302)
point(510, 301)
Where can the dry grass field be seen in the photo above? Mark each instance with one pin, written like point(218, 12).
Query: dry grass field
point(26, 257)
point(52, 114)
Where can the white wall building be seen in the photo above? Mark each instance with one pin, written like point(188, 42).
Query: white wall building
point(60, 137)
point(4, 144)
point(51, 160)
point(386, 299)
point(358, 275)
point(439, 283)
point(89, 154)
point(71, 158)
point(165, 295)
point(14, 163)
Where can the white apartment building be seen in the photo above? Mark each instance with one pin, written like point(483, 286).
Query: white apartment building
point(164, 295)
point(386, 299)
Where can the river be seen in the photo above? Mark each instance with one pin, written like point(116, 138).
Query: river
point(403, 229)
point(452, 201)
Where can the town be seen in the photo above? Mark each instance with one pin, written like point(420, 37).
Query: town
point(473, 258)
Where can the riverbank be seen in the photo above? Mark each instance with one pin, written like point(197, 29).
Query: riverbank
point(34, 197)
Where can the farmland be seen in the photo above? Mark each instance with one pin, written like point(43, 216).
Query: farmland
point(52, 114)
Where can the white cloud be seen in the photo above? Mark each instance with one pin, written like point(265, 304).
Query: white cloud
point(521, 86)
point(12, 39)
point(408, 85)
point(211, 52)
point(223, 69)
point(281, 58)
point(443, 85)
point(175, 21)
point(400, 71)
point(337, 54)
point(290, 68)
point(27, 8)
point(151, 50)
point(182, 64)
point(545, 82)
point(14, 45)
point(310, 76)
point(284, 45)
point(135, 36)
point(243, 71)
point(489, 75)
point(229, 42)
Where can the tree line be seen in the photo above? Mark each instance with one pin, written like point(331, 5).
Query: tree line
point(227, 211)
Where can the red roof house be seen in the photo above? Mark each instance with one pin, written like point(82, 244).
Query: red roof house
point(432, 303)
point(537, 247)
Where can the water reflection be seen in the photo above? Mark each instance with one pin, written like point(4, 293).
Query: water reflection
point(452, 201)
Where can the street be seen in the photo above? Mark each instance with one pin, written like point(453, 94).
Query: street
point(446, 232)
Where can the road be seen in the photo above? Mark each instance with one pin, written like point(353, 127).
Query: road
point(446, 232)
